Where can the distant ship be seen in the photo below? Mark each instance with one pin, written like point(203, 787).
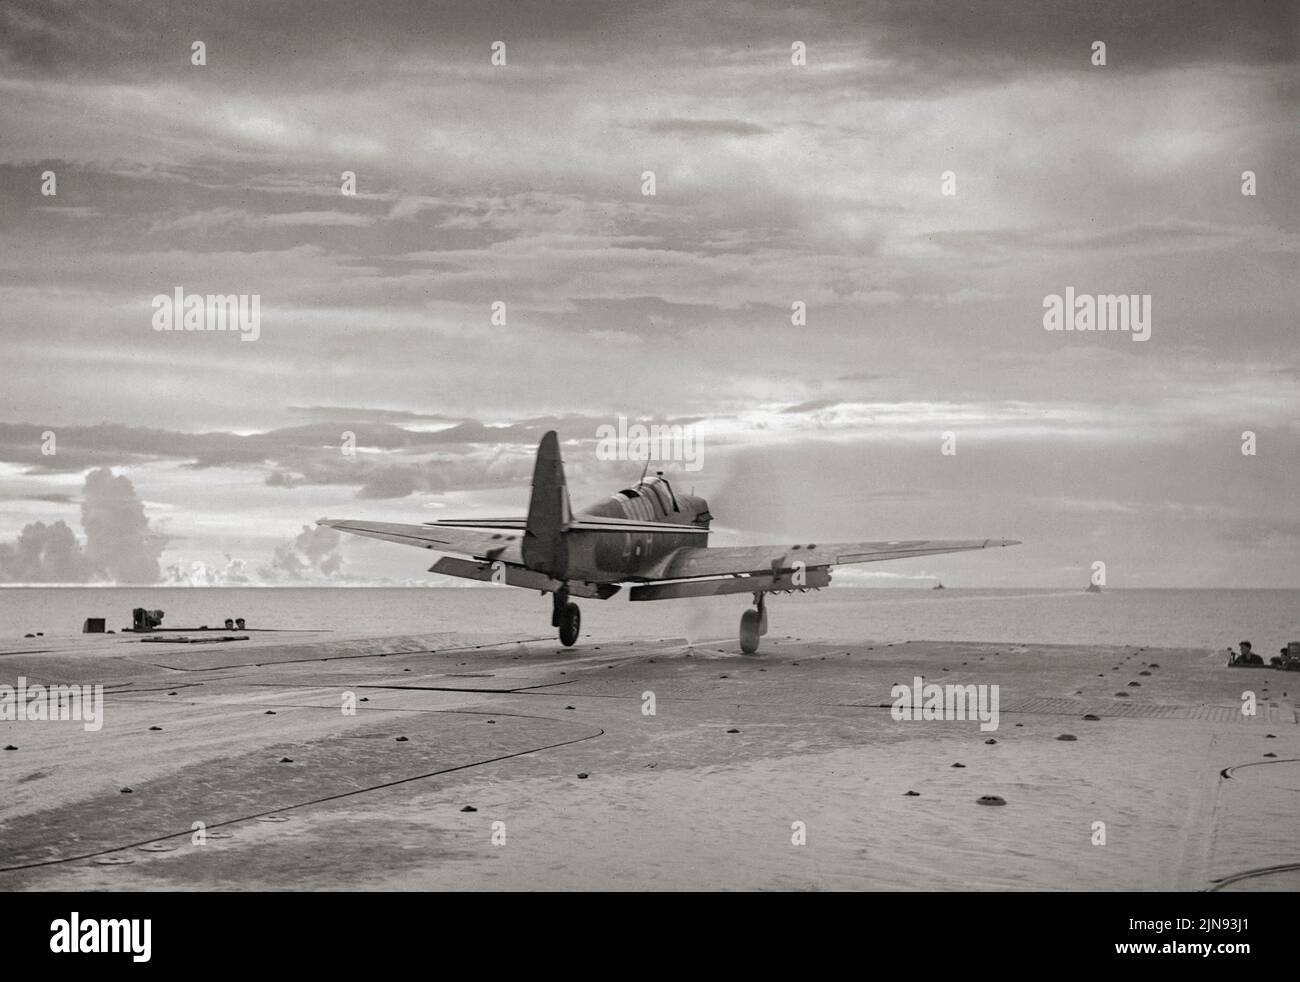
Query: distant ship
point(938, 586)
point(1093, 588)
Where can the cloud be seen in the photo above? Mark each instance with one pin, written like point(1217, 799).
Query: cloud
point(776, 184)
point(312, 43)
point(69, 211)
point(44, 554)
point(120, 546)
point(311, 556)
point(217, 218)
point(704, 127)
point(358, 414)
point(812, 406)
point(233, 572)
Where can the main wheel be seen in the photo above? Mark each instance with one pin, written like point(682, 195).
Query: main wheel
point(570, 622)
point(750, 626)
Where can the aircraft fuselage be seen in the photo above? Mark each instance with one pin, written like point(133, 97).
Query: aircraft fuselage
point(612, 558)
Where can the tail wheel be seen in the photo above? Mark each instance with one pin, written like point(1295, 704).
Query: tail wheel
point(750, 631)
point(570, 624)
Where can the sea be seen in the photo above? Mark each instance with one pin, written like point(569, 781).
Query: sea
point(1211, 619)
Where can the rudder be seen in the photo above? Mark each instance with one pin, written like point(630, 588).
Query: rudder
point(549, 514)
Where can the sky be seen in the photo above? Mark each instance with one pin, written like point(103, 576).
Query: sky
point(916, 177)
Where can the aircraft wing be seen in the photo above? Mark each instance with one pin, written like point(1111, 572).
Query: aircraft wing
point(579, 523)
point(693, 561)
point(480, 543)
point(489, 538)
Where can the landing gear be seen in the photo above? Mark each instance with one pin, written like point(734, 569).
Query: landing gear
point(753, 625)
point(566, 616)
point(569, 625)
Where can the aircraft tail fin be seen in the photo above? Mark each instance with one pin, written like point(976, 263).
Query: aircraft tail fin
point(549, 514)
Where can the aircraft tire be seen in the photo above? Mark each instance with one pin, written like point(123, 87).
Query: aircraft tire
point(750, 625)
point(570, 624)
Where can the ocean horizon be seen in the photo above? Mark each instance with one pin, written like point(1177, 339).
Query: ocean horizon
point(1151, 617)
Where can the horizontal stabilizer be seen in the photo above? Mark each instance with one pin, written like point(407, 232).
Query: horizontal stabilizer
point(517, 524)
point(579, 523)
point(629, 525)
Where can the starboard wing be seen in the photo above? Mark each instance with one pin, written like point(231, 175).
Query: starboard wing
point(693, 561)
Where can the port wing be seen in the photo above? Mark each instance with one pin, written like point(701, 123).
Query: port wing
point(693, 561)
point(481, 543)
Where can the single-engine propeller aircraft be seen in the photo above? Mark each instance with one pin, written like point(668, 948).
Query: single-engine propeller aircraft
point(649, 537)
